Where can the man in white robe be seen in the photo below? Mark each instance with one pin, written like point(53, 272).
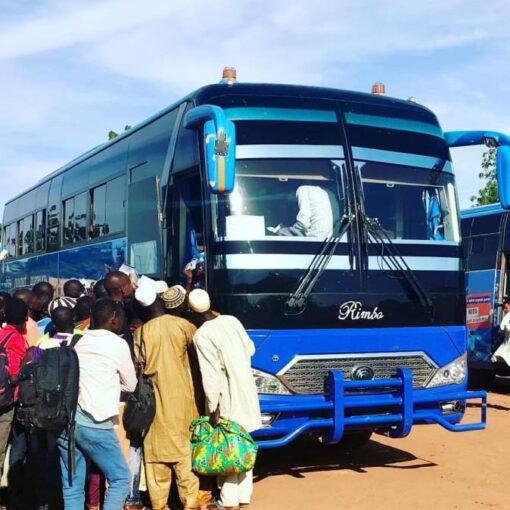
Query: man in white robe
point(224, 352)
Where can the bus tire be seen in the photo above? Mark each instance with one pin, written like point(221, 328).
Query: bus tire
point(481, 379)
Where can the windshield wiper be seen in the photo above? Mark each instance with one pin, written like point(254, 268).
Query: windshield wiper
point(296, 302)
point(395, 261)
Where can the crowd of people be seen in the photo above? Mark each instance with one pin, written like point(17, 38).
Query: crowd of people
point(199, 365)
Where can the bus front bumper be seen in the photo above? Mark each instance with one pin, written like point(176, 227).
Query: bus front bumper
point(393, 406)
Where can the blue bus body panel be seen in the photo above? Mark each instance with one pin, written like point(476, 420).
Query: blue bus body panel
point(277, 348)
point(90, 261)
point(394, 408)
point(480, 287)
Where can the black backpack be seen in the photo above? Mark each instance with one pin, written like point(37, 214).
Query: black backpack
point(6, 386)
point(48, 388)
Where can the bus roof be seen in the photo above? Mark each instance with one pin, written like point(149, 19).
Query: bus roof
point(482, 210)
point(209, 92)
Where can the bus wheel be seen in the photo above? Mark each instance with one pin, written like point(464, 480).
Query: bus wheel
point(481, 379)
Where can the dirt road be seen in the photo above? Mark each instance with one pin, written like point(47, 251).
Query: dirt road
point(430, 469)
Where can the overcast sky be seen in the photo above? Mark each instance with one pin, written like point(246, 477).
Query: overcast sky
point(71, 71)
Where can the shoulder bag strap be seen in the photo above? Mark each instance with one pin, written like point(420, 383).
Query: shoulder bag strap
point(5, 340)
point(75, 340)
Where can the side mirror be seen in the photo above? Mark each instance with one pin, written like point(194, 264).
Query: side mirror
point(219, 145)
point(503, 171)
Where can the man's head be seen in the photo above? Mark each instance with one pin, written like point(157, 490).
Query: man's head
point(99, 289)
point(174, 300)
point(16, 313)
point(200, 304)
point(66, 302)
point(63, 319)
point(73, 288)
point(147, 296)
point(107, 314)
point(44, 288)
point(506, 306)
point(83, 308)
point(40, 302)
point(27, 296)
point(119, 286)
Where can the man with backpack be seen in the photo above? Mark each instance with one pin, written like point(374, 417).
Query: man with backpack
point(106, 369)
point(13, 347)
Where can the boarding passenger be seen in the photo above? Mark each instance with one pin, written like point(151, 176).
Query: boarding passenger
point(32, 330)
point(121, 289)
point(99, 290)
point(42, 296)
point(106, 369)
point(167, 450)
point(15, 345)
point(74, 289)
point(224, 352)
point(83, 312)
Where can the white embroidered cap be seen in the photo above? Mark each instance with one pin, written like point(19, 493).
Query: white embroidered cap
point(199, 301)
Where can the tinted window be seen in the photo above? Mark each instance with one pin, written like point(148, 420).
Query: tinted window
point(19, 242)
point(40, 226)
point(10, 239)
point(54, 214)
point(486, 224)
point(186, 151)
point(68, 223)
point(28, 238)
point(149, 146)
point(98, 211)
point(115, 202)
point(483, 253)
point(80, 217)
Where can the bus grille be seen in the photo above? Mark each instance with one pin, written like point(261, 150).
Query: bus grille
point(308, 376)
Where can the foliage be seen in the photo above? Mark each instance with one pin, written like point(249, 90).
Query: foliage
point(488, 194)
point(113, 134)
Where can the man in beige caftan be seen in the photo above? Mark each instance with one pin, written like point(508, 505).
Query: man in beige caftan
point(167, 448)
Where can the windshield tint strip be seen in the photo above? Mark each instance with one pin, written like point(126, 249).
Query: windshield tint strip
point(285, 114)
point(400, 158)
point(337, 262)
point(289, 151)
point(393, 123)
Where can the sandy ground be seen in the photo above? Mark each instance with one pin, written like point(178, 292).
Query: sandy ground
point(430, 469)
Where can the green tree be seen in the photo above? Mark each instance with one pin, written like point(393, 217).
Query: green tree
point(489, 193)
point(113, 134)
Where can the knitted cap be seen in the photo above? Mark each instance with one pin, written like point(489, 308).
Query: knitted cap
point(199, 301)
point(66, 302)
point(174, 297)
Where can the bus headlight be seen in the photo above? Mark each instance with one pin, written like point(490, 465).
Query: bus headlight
point(453, 373)
point(268, 383)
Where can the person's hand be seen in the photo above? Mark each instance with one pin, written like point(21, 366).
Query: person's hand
point(214, 417)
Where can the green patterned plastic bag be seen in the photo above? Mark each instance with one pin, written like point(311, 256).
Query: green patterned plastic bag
point(223, 450)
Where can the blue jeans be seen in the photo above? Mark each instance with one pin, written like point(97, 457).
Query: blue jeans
point(102, 447)
point(135, 464)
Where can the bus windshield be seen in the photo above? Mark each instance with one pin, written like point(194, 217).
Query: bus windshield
point(410, 203)
point(286, 199)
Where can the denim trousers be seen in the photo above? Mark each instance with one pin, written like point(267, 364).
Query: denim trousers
point(100, 446)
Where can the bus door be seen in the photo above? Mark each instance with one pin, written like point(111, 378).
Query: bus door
point(144, 225)
point(483, 287)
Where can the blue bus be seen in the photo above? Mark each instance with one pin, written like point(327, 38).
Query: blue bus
point(486, 239)
point(328, 224)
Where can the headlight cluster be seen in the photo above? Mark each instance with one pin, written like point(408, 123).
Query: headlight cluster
point(268, 383)
point(453, 373)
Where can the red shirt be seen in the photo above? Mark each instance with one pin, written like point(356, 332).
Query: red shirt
point(16, 347)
